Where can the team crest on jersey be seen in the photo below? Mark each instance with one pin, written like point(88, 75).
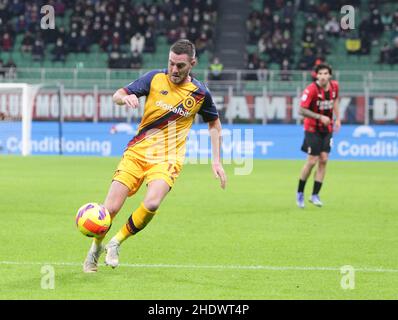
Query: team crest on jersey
point(188, 102)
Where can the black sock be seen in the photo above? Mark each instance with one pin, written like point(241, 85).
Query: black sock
point(301, 185)
point(317, 187)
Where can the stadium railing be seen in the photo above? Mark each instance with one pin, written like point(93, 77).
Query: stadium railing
point(242, 96)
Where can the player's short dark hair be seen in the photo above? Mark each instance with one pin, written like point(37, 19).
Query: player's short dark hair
point(322, 66)
point(184, 46)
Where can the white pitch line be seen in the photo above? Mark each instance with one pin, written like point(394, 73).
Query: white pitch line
point(215, 267)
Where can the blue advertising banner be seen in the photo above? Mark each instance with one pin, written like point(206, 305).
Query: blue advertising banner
point(271, 141)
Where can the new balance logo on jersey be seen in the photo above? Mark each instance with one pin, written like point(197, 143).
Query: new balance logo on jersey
point(164, 92)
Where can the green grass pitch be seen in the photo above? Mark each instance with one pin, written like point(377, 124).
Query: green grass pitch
point(246, 242)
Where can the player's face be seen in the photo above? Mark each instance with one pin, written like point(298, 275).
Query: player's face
point(179, 67)
point(323, 77)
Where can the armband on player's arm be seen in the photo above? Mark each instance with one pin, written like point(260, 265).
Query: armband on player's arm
point(309, 114)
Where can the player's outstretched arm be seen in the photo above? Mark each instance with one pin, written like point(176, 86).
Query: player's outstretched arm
point(121, 97)
point(216, 140)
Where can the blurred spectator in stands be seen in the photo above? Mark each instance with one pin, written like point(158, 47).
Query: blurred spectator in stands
point(365, 45)
point(2, 69)
point(127, 31)
point(310, 8)
point(161, 24)
point(114, 59)
point(105, 39)
point(6, 44)
point(59, 51)
point(288, 10)
point(353, 45)
point(307, 60)
point(38, 50)
point(137, 43)
point(308, 38)
point(193, 34)
point(208, 31)
point(150, 19)
point(32, 15)
point(16, 7)
point(196, 20)
point(285, 70)
point(166, 6)
point(20, 25)
point(323, 10)
point(253, 27)
point(172, 23)
point(322, 44)
point(276, 23)
point(61, 34)
point(394, 52)
point(183, 34)
point(262, 44)
point(201, 44)
point(136, 60)
point(27, 43)
point(176, 5)
point(59, 8)
point(172, 36)
point(376, 26)
point(286, 46)
point(265, 20)
point(251, 74)
point(216, 69)
point(308, 42)
point(395, 18)
point(141, 26)
point(72, 42)
point(385, 53)
point(11, 69)
point(387, 20)
point(117, 27)
point(332, 27)
point(116, 41)
point(150, 44)
point(364, 27)
point(395, 32)
point(262, 71)
point(185, 22)
point(254, 59)
point(83, 42)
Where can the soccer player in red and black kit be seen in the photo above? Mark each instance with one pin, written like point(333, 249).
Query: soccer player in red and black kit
point(319, 103)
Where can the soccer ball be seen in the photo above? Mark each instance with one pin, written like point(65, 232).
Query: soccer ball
point(93, 220)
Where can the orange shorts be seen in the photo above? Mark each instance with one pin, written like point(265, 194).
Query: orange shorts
point(132, 172)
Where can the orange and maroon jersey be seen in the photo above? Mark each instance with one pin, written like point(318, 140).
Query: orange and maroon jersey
point(169, 113)
point(316, 99)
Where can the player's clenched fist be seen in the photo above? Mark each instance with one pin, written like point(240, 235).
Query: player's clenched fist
point(131, 101)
